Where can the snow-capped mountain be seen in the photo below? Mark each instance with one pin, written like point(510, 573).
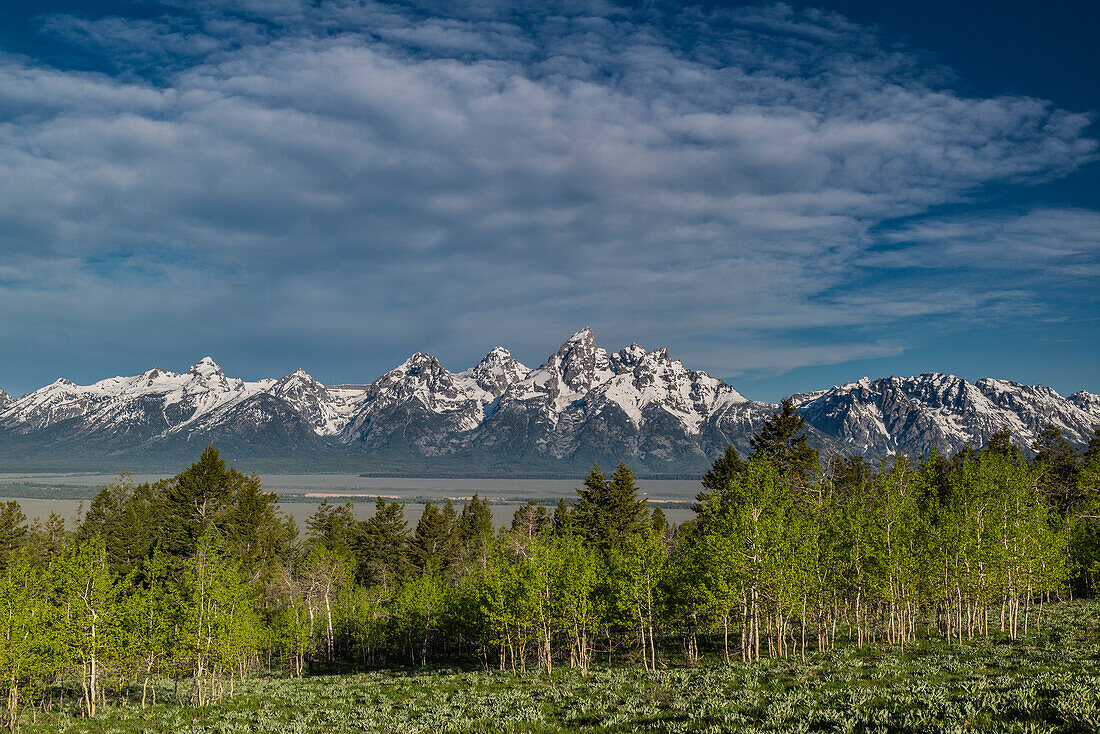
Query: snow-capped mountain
point(583, 404)
point(913, 414)
point(1087, 401)
point(148, 404)
point(586, 402)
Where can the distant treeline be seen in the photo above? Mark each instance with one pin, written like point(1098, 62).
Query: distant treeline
point(198, 579)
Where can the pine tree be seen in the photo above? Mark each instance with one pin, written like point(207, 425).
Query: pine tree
point(562, 521)
point(850, 474)
point(1000, 443)
point(47, 542)
point(608, 511)
point(725, 469)
point(1084, 541)
point(335, 527)
point(658, 523)
point(432, 543)
point(254, 532)
point(383, 547)
point(1092, 450)
point(473, 533)
point(128, 518)
point(783, 441)
point(1056, 462)
point(13, 530)
point(195, 498)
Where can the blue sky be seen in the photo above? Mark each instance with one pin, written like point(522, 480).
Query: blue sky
point(788, 196)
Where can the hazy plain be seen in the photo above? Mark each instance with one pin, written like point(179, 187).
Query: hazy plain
point(303, 492)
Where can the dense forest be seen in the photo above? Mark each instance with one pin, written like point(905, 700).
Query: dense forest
point(198, 579)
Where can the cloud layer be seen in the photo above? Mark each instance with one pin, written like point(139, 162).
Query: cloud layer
point(346, 181)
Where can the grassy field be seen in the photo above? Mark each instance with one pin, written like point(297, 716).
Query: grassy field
point(1048, 683)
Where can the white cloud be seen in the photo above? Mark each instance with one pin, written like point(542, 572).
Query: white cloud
point(363, 171)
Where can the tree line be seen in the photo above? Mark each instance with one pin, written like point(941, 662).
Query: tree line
point(198, 579)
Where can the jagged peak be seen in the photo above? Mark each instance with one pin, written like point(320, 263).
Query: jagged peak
point(205, 367)
point(418, 361)
point(497, 354)
point(498, 359)
point(583, 341)
point(297, 376)
point(938, 377)
point(863, 382)
point(580, 335)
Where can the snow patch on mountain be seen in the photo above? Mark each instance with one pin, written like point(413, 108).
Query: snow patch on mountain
point(913, 414)
point(583, 402)
point(156, 397)
point(1087, 401)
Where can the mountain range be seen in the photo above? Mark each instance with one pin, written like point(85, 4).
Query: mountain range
point(500, 417)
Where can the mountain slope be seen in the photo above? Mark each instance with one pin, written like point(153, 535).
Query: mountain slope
point(583, 404)
point(911, 415)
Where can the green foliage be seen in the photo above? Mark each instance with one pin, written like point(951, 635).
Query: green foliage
point(473, 533)
point(334, 527)
point(433, 542)
point(854, 560)
point(13, 530)
point(383, 557)
point(608, 511)
point(1042, 685)
point(1057, 467)
point(782, 440)
point(724, 471)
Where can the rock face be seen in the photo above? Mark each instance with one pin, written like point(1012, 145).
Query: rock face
point(911, 415)
point(583, 404)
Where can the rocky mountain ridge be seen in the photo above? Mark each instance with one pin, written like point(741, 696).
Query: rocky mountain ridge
point(583, 404)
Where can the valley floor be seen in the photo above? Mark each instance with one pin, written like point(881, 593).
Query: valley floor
point(1047, 683)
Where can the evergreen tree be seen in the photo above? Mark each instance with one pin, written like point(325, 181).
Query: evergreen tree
point(1056, 462)
point(1092, 450)
point(850, 474)
point(47, 542)
point(1000, 443)
point(383, 550)
point(608, 511)
point(473, 533)
point(335, 527)
point(658, 523)
point(562, 521)
point(128, 518)
point(1085, 525)
point(255, 533)
point(195, 498)
point(725, 469)
point(783, 441)
point(13, 530)
point(432, 543)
